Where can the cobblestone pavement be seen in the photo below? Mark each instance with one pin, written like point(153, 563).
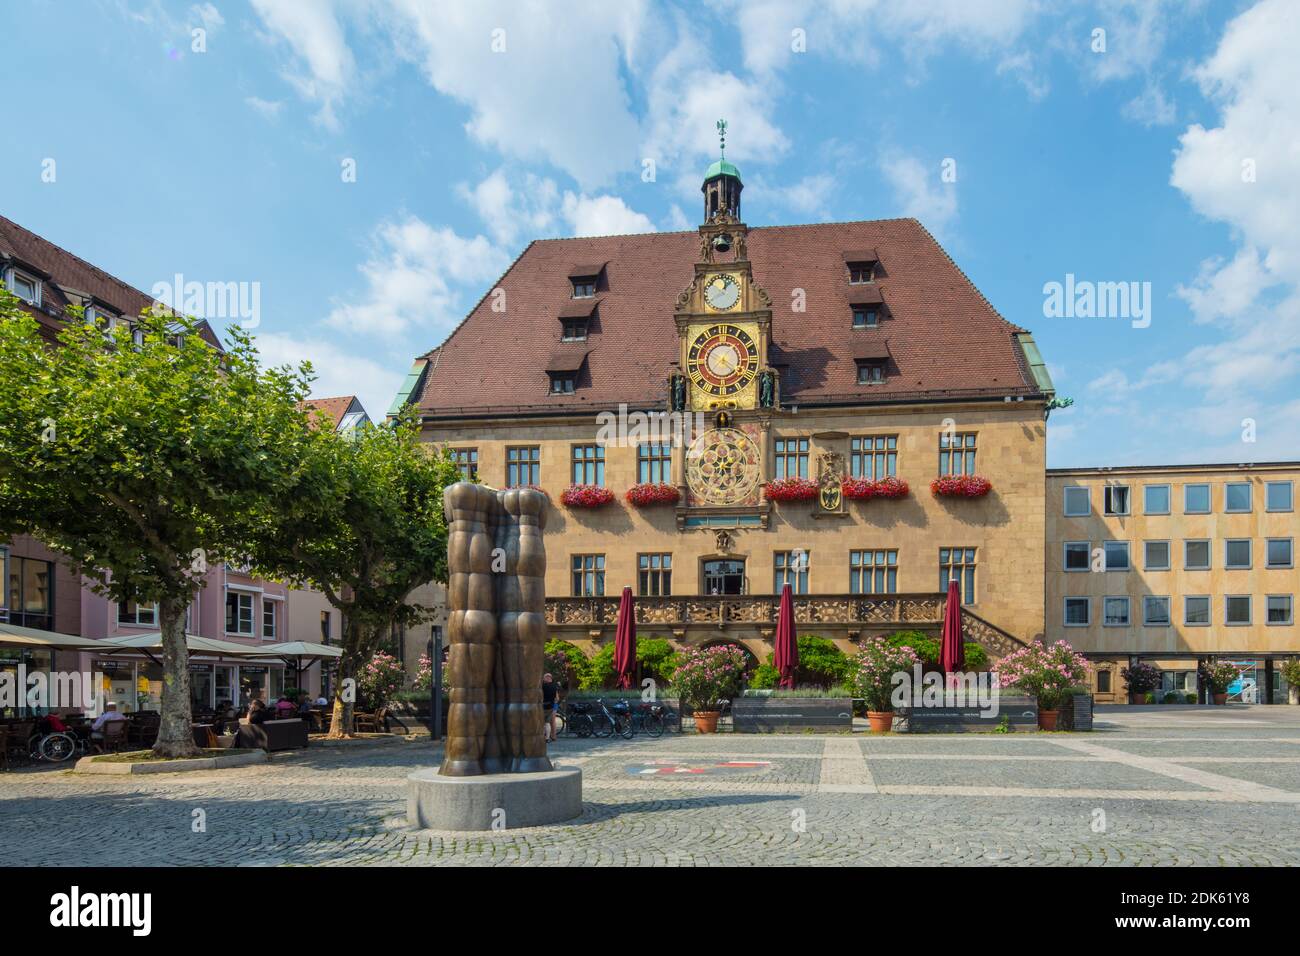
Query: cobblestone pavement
point(1148, 787)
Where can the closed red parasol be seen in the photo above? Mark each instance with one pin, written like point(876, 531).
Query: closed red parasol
point(952, 655)
point(625, 641)
point(786, 658)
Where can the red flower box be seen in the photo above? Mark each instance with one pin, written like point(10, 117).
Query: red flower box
point(791, 489)
point(860, 489)
point(586, 496)
point(647, 494)
point(961, 486)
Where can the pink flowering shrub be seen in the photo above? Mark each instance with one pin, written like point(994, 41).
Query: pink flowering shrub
point(961, 486)
point(860, 489)
point(705, 676)
point(1048, 672)
point(586, 496)
point(874, 668)
point(648, 493)
point(380, 678)
point(791, 489)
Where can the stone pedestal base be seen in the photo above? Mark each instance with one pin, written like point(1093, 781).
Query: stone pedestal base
point(492, 801)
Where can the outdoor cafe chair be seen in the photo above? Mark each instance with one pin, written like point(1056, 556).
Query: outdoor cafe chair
point(4, 745)
point(365, 723)
point(115, 735)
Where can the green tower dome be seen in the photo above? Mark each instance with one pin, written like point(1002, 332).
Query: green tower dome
point(721, 167)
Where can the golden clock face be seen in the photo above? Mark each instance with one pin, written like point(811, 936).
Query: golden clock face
point(722, 467)
point(722, 360)
point(722, 292)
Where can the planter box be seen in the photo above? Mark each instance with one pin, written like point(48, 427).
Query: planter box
point(767, 715)
point(1076, 713)
point(1021, 712)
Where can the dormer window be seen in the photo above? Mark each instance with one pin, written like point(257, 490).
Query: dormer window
point(584, 288)
point(866, 316)
point(103, 320)
point(27, 288)
point(585, 278)
point(861, 273)
point(871, 371)
point(574, 330)
point(563, 383)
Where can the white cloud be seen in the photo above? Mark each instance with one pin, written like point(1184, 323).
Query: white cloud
point(414, 277)
point(315, 35)
point(339, 370)
point(538, 208)
point(1150, 107)
point(920, 192)
point(1221, 292)
point(603, 216)
point(267, 109)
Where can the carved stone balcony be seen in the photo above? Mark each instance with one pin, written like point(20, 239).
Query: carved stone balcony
point(847, 616)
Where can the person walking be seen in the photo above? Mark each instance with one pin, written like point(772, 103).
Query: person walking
point(550, 693)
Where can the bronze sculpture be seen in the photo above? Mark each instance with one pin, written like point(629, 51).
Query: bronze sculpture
point(496, 599)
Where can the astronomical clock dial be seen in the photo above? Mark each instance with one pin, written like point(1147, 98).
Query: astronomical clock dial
point(722, 292)
point(722, 360)
point(722, 467)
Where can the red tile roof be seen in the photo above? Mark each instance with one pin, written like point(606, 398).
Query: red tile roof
point(331, 409)
point(945, 339)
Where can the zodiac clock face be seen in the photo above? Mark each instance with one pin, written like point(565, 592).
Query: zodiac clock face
point(722, 360)
point(722, 292)
point(722, 467)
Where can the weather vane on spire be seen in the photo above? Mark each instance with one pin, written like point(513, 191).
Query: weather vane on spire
point(722, 137)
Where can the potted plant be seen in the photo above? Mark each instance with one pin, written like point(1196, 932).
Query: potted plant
point(648, 493)
point(960, 486)
point(1219, 674)
point(860, 489)
point(873, 673)
point(1049, 673)
point(1140, 678)
point(706, 676)
point(791, 489)
point(586, 496)
point(1291, 674)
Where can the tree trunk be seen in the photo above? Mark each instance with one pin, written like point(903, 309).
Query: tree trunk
point(358, 645)
point(175, 732)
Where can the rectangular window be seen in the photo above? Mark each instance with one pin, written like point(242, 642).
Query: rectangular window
point(573, 330)
point(129, 612)
point(1115, 612)
point(1078, 555)
point(31, 599)
point(1196, 554)
point(866, 317)
point(1279, 496)
point(324, 627)
point(873, 457)
point(268, 620)
point(1155, 500)
point(1155, 555)
point(584, 288)
point(790, 567)
point(1103, 682)
point(1196, 499)
point(871, 372)
point(1116, 499)
point(1236, 496)
point(1116, 555)
point(1077, 503)
point(791, 457)
point(861, 274)
point(958, 564)
point(1236, 609)
point(873, 572)
point(1077, 611)
point(1236, 553)
point(563, 383)
point(1279, 553)
point(466, 460)
point(957, 453)
point(1279, 608)
point(654, 464)
point(588, 464)
point(239, 613)
point(1196, 610)
point(588, 575)
point(25, 287)
point(523, 466)
point(1155, 611)
point(655, 574)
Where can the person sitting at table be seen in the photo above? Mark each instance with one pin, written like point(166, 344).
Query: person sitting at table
point(110, 715)
point(321, 701)
point(284, 707)
point(304, 705)
point(257, 712)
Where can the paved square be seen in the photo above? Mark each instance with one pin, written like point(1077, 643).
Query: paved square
point(1148, 787)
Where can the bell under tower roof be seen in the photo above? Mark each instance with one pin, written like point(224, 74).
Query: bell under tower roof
point(722, 183)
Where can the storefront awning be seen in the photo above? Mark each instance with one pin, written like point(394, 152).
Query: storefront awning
point(11, 635)
point(303, 649)
point(152, 641)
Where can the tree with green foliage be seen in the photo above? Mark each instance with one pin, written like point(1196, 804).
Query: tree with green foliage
point(141, 461)
point(364, 525)
point(658, 659)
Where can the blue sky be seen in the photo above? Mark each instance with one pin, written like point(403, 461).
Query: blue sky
point(1167, 157)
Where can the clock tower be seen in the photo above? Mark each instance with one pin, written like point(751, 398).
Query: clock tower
point(724, 324)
